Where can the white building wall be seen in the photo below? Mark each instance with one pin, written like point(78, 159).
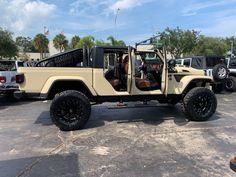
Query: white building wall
point(52, 49)
point(31, 56)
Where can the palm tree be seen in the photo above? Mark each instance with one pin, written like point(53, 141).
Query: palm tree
point(41, 43)
point(115, 42)
point(74, 41)
point(60, 42)
point(86, 41)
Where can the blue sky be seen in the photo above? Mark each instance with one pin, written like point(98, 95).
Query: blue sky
point(136, 19)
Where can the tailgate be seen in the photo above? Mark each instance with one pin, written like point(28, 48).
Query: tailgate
point(10, 76)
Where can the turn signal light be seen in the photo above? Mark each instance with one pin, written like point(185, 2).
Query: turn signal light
point(3, 79)
point(20, 78)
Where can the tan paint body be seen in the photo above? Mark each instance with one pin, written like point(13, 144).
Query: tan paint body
point(40, 80)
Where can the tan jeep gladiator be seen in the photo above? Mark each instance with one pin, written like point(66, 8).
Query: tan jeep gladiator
point(77, 78)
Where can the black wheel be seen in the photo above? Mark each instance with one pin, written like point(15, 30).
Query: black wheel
point(70, 110)
point(199, 104)
point(220, 72)
point(230, 84)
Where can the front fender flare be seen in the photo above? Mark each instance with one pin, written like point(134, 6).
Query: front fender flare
point(187, 80)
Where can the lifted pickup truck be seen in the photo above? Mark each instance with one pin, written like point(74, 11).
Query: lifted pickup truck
point(79, 77)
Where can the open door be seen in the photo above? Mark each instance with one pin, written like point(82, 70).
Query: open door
point(114, 77)
point(149, 73)
point(131, 55)
point(165, 75)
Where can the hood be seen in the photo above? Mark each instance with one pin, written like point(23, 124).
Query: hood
point(189, 70)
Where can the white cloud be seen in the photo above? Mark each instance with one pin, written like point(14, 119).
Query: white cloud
point(193, 8)
point(24, 15)
point(84, 7)
point(224, 26)
point(126, 4)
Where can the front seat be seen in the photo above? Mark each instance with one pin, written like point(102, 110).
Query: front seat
point(113, 77)
point(146, 85)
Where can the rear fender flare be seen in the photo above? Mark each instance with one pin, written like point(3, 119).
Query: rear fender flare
point(53, 80)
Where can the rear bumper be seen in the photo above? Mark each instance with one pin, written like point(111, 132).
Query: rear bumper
point(8, 88)
point(22, 94)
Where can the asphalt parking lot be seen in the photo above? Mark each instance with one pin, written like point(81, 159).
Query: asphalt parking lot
point(132, 142)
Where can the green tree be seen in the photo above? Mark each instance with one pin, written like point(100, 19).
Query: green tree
point(102, 43)
point(178, 41)
point(25, 44)
point(231, 41)
point(60, 42)
point(41, 44)
point(115, 42)
point(88, 41)
point(8, 48)
point(74, 41)
point(210, 46)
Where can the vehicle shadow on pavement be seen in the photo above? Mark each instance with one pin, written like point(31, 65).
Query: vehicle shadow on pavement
point(44, 119)
point(149, 115)
point(52, 165)
point(153, 115)
point(5, 102)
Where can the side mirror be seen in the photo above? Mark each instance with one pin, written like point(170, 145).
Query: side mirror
point(171, 63)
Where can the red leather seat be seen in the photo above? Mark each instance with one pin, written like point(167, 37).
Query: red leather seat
point(144, 84)
point(114, 82)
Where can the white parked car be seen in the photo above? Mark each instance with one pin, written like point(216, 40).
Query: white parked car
point(8, 70)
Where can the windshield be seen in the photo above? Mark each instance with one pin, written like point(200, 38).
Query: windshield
point(148, 57)
point(178, 61)
point(20, 64)
point(7, 66)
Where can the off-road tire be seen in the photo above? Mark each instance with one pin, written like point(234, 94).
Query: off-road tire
point(70, 110)
point(199, 104)
point(220, 72)
point(230, 84)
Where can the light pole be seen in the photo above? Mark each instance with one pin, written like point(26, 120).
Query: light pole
point(232, 48)
point(117, 11)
